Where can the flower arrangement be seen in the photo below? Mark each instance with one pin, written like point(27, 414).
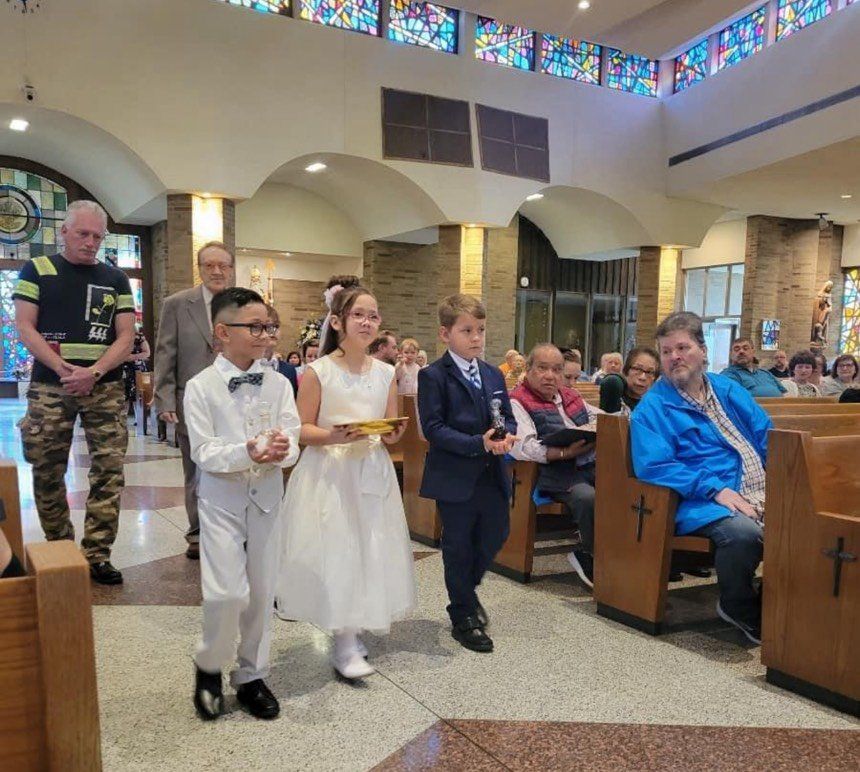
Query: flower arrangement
point(309, 331)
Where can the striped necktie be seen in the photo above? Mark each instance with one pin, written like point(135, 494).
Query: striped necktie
point(473, 375)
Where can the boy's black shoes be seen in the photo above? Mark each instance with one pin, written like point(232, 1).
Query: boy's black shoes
point(105, 573)
point(208, 695)
point(258, 699)
point(482, 615)
point(470, 634)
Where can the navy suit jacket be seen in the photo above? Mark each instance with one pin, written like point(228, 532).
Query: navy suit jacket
point(454, 417)
point(289, 372)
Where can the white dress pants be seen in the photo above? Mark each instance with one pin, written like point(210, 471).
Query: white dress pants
point(239, 556)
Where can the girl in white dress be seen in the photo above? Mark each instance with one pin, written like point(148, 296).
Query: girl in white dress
point(347, 563)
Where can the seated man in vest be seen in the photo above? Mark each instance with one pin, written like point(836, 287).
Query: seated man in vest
point(543, 406)
point(744, 370)
point(706, 438)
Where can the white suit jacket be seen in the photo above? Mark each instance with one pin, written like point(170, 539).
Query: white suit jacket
point(217, 435)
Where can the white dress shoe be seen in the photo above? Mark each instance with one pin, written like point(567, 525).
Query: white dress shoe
point(352, 667)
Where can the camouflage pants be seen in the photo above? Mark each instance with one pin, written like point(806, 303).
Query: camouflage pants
point(46, 434)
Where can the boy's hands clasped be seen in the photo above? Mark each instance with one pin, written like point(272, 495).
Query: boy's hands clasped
point(498, 447)
point(273, 451)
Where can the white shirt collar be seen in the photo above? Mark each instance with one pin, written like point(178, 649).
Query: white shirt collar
point(207, 295)
point(463, 364)
point(228, 370)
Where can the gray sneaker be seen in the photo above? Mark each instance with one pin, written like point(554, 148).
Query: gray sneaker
point(752, 632)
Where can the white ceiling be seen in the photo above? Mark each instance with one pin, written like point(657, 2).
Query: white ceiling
point(654, 28)
point(796, 187)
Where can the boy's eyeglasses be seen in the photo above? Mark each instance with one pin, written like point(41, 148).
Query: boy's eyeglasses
point(256, 328)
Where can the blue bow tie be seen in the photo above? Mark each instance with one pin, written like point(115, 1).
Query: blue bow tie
point(255, 379)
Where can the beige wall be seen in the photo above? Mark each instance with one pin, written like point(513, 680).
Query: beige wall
point(851, 247)
point(724, 244)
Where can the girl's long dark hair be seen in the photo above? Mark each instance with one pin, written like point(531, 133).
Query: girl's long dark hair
point(340, 307)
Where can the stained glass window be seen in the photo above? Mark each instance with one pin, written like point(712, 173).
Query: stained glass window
point(137, 294)
point(770, 334)
point(568, 58)
point(742, 39)
point(629, 72)
point(32, 209)
point(15, 355)
point(121, 250)
point(691, 66)
point(505, 44)
point(357, 15)
point(281, 7)
point(849, 339)
point(793, 15)
point(424, 24)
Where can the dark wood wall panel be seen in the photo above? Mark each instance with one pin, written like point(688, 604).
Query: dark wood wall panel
point(546, 271)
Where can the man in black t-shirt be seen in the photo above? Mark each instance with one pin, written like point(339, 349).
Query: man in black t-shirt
point(780, 365)
point(76, 316)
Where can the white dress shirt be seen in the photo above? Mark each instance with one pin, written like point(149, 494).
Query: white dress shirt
point(464, 366)
point(529, 448)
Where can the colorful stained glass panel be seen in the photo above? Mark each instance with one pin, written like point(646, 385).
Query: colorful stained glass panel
point(121, 250)
point(691, 66)
point(742, 39)
point(17, 361)
point(574, 59)
point(32, 210)
point(356, 15)
point(424, 24)
point(770, 334)
point(629, 72)
point(505, 44)
point(794, 15)
point(280, 7)
point(849, 338)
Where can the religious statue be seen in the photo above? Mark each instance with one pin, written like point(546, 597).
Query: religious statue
point(821, 315)
point(256, 282)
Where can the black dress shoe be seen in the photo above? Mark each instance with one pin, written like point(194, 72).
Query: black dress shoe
point(193, 551)
point(105, 573)
point(702, 573)
point(258, 699)
point(483, 616)
point(471, 635)
point(676, 576)
point(208, 695)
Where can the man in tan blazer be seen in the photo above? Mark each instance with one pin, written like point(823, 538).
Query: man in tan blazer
point(183, 348)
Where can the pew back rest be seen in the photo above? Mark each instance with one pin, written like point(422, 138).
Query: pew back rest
point(848, 408)
point(820, 424)
point(796, 400)
point(11, 526)
point(144, 385)
point(836, 472)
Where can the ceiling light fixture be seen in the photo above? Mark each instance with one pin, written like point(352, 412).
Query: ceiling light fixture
point(472, 225)
point(584, 5)
point(846, 196)
point(822, 221)
point(534, 197)
point(317, 166)
point(18, 124)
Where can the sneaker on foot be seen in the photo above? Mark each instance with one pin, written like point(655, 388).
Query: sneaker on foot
point(751, 631)
point(583, 563)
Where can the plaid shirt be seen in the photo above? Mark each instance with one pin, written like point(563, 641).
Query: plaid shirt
point(753, 479)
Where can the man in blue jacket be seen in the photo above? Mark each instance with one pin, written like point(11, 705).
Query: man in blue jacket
point(744, 370)
point(705, 437)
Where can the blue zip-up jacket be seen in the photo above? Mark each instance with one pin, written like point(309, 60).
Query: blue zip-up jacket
point(676, 446)
point(759, 383)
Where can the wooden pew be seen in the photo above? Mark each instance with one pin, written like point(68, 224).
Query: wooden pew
point(811, 603)
point(143, 402)
point(820, 425)
point(48, 695)
point(776, 408)
point(516, 557)
point(634, 535)
point(796, 400)
point(421, 515)
point(396, 450)
point(590, 392)
point(11, 504)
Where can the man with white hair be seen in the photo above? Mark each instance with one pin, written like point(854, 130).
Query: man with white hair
point(76, 316)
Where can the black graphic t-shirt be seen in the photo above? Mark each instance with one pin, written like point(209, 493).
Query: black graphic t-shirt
point(77, 307)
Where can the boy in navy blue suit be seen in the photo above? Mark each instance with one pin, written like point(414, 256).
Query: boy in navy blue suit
point(464, 471)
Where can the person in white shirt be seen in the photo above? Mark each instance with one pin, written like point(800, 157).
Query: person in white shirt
point(543, 406)
point(243, 428)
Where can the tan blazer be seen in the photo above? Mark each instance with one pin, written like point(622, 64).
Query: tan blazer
point(183, 347)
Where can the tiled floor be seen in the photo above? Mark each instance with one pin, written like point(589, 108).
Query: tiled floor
point(565, 689)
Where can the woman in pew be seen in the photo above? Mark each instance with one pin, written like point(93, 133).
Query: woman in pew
point(802, 368)
point(842, 377)
point(621, 393)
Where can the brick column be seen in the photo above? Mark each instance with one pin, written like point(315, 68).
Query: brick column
point(657, 290)
point(501, 251)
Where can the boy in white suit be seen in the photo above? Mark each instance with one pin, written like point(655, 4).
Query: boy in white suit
point(243, 427)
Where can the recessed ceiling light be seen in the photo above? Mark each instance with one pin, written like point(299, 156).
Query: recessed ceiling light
point(584, 5)
point(18, 124)
point(472, 225)
point(315, 167)
point(846, 195)
point(534, 197)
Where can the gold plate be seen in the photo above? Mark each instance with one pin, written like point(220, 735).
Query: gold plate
point(377, 426)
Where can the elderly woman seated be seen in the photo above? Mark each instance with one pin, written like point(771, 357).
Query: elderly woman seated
point(621, 393)
point(801, 367)
point(843, 376)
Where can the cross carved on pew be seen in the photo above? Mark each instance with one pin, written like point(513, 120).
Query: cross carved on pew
point(641, 510)
point(838, 556)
